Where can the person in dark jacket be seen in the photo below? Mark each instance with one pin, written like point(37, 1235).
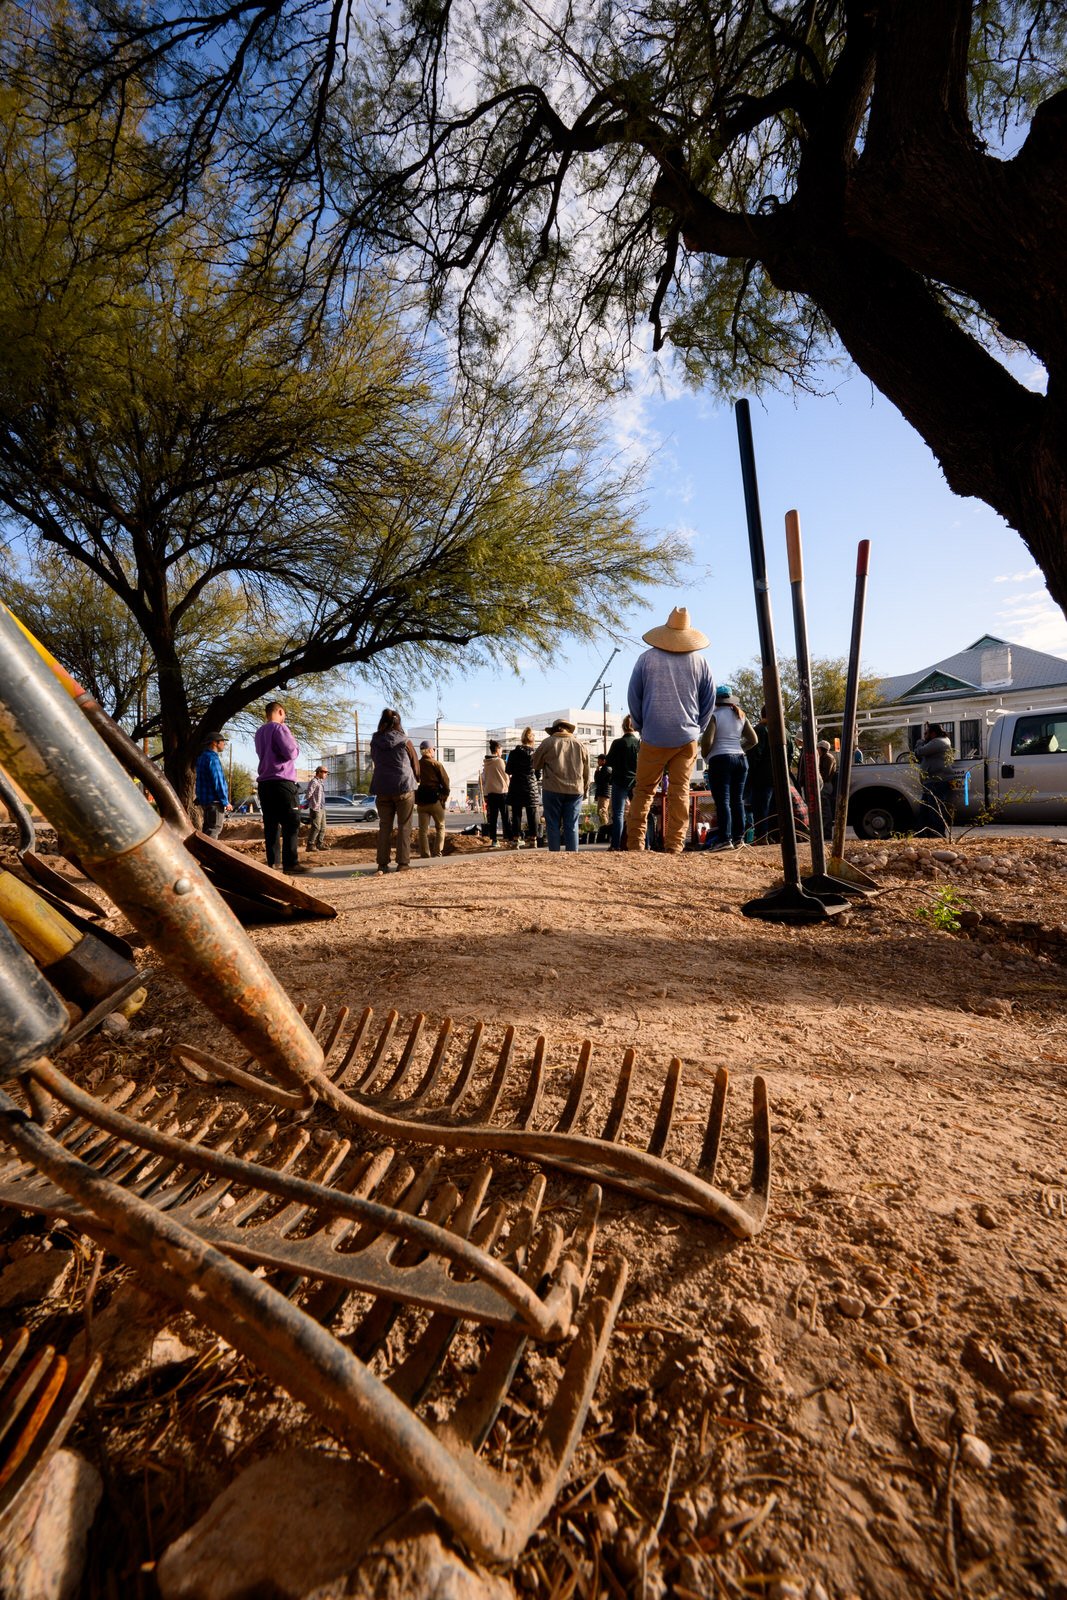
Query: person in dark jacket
point(396, 773)
point(622, 763)
point(430, 796)
point(935, 756)
point(522, 788)
point(761, 780)
point(212, 794)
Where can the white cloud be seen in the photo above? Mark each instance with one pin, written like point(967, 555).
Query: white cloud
point(1034, 619)
point(1019, 577)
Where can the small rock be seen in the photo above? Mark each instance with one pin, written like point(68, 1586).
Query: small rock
point(994, 1006)
point(911, 1318)
point(945, 855)
point(1032, 1402)
point(116, 1024)
point(877, 1317)
point(30, 1279)
point(850, 1306)
point(731, 1016)
point(42, 1555)
point(607, 1522)
point(974, 1452)
point(986, 1217)
point(983, 863)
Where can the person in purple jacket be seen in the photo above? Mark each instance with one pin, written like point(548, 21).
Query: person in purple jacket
point(671, 696)
point(277, 751)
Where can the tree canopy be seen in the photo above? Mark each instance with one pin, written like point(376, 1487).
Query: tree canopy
point(271, 479)
point(768, 184)
point(828, 677)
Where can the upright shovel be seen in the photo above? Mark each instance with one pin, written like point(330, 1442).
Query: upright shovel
point(858, 881)
point(830, 890)
point(792, 902)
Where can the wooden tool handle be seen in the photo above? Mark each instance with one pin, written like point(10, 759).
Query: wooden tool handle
point(792, 545)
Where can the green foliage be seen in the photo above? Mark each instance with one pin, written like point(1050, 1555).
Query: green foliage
point(943, 912)
point(255, 474)
point(828, 678)
point(242, 785)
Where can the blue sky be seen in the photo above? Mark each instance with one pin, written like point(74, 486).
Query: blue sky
point(943, 570)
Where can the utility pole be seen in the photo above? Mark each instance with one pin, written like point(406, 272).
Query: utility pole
point(359, 775)
point(604, 731)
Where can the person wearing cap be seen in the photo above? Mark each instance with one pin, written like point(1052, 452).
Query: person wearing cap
point(671, 697)
point(725, 743)
point(212, 793)
point(430, 796)
point(563, 764)
point(315, 796)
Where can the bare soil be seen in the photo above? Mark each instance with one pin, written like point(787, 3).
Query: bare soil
point(867, 1400)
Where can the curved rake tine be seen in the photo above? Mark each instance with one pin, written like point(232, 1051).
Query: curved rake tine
point(613, 1126)
point(433, 1068)
point(403, 1065)
point(576, 1096)
point(709, 1153)
point(338, 1074)
point(195, 1060)
point(668, 1100)
point(378, 1323)
point(532, 1099)
point(328, 1043)
point(363, 1081)
point(484, 1112)
point(522, 1229)
point(470, 1061)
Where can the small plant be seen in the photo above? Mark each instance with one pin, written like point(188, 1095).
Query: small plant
point(944, 912)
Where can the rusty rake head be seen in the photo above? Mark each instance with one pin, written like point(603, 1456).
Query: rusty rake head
point(493, 1511)
point(368, 1222)
point(385, 1082)
point(40, 1397)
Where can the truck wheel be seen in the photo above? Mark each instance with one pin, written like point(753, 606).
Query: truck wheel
point(876, 820)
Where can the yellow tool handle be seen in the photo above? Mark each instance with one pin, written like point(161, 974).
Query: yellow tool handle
point(38, 928)
point(72, 686)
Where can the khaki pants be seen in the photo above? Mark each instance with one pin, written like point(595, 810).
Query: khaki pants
point(603, 810)
point(651, 760)
point(436, 815)
point(394, 808)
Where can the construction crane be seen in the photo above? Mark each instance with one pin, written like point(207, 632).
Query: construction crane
point(600, 678)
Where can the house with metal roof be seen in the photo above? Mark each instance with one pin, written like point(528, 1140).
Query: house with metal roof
point(957, 691)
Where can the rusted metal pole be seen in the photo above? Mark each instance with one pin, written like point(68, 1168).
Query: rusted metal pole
point(854, 875)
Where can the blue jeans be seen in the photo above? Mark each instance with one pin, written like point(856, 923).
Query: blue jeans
point(561, 818)
point(620, 793)
point(726, 775)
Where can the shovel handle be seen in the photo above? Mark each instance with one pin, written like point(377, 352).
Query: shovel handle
point(793, 547)
point(72, 686)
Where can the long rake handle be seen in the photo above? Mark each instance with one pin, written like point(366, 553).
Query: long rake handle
point(848, 727)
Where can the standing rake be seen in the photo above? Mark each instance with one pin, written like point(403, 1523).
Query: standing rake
point(493, 1512)
point(365, 1081)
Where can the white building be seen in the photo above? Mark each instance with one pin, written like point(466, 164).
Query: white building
point(462, 746)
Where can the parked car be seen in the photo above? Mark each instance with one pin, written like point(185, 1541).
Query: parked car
point(342, 809)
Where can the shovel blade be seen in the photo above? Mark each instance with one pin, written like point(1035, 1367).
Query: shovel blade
point(853, 879)
point(790, 903)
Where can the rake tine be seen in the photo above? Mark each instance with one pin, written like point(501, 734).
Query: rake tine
point(485, 1111)
point(470, 1061)
point(363, 1082)
point(576, 1097)
point(532, 1098)
point(661, 1131)
point(709, 1154)
point(314, 1019)
point(331, 1038)
point(410, 1381)
point(479, 1408)
point(406, 1054)
point(433, 1068)
point(323, 1170)
point(338, 1075)
point(13, 1355)
point(194, 1060)
point(27, 1406)
point(613, 1126)
point(522, 1229)
point(378, 1323)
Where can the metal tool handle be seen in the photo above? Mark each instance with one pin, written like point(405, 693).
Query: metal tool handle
point(852, 682)
point(809, 755)
point(32, 1017)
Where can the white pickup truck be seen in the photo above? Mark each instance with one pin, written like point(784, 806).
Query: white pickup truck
point(1012, 767)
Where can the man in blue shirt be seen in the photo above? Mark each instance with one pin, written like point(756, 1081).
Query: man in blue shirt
point(212, 795)
point(671, 698)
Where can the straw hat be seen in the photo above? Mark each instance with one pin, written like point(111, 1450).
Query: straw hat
point(561, 726)
point(676, 636)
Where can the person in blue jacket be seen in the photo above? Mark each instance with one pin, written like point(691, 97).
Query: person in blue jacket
point(212, 793)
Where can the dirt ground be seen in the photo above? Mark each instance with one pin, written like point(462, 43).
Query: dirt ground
point(866, 1402)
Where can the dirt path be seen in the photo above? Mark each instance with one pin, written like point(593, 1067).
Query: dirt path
point(869, 1400)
